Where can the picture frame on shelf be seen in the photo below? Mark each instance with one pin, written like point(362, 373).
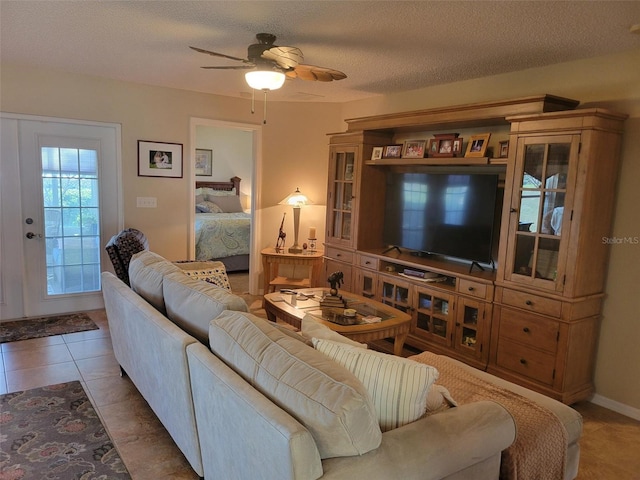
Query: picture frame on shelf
point(376, 153)
point(504, 149)
point(457, 146)
point(204, 162)
point(159, 159)
point(392, 151)
point(442, 145)
point(413, 149)
point(477, 146)
point(433, 147)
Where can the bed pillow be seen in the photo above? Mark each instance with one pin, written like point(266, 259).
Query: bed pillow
point(228, 204)
point(398, 386)
point(322, 395)
point(208, 207)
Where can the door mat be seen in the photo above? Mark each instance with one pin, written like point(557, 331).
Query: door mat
point(54, 432)
point(45, 327)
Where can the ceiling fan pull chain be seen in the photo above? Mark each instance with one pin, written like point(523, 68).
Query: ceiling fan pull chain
point(264, 118)
point(253, 101)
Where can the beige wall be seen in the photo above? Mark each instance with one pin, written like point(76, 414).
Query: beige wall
point(612, 82)
point(294, 154)
point(294, 148)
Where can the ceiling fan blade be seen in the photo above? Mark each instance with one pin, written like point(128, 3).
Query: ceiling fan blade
point(236, 67)
point(216, 54)
point(285, 57)
point(315, 73)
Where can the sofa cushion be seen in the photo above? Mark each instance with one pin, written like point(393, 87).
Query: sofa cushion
point(211, 271)
point(325, 397)
point(146, 271)
point(191, 304)
point(311, 328)
point(439, 398)
point(398, 386)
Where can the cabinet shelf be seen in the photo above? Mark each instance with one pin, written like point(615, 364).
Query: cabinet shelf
point(432, 161)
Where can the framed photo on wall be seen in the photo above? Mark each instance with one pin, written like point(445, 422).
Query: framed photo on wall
point(159, 159)
point(204, 162)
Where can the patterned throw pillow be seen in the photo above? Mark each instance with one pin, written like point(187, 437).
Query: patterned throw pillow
point(207, 207)
point(397, 386)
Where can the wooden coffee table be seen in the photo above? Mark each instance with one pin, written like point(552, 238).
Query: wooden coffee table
point(291, 308)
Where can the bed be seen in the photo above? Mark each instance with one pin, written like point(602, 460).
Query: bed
point(222, 228)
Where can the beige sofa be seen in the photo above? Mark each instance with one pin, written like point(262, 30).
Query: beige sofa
point(266, 404)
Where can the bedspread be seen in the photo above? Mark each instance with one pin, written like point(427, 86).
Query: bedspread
point(220, 235)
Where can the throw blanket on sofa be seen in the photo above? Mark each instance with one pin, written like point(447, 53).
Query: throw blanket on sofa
point(539, 451)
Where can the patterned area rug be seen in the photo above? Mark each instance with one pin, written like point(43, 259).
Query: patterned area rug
point(45, 327)
point(54, 433)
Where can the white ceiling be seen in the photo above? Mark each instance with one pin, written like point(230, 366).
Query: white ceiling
point(382, 46)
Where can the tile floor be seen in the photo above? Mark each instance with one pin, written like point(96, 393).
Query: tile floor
point(610, 444)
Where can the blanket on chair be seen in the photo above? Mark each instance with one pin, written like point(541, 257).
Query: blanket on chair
point(540, 449)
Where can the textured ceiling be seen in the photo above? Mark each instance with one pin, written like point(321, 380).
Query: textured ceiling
point(382, 46)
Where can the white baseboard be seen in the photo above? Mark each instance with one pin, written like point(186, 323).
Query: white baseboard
point(618, 407)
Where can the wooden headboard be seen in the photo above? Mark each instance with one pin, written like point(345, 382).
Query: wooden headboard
point(234, 182)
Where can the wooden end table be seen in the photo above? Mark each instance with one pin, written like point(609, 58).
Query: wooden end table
point(394, 323)
point(272, 259)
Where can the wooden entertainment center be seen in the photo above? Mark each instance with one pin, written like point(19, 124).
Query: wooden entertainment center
point(534, 319)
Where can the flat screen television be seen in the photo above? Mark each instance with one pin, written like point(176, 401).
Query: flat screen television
point(450, 214)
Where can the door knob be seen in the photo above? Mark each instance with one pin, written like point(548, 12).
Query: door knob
point(31, 235)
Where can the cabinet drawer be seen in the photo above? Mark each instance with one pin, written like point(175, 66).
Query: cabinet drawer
point(529, 329)
point(534, 303)
point(526, 361)
point(474, 289)
point(365, 261)
point(338, 254)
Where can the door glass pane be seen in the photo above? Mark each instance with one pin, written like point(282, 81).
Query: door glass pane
point(533, 163)
point(524, 254)
point(71, 219)
point(529, 212)
point(552, 213)
point(547, 258)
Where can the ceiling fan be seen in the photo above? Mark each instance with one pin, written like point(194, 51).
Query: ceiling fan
point(270, 64)
point(264, 56)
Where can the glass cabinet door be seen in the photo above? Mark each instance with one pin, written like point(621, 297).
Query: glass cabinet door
point(469, 324)
point(543, 173)
point(396, 294)
point(433, 315)
point(342, 177)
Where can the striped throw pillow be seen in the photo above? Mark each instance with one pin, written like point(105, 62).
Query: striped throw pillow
point(398, 386)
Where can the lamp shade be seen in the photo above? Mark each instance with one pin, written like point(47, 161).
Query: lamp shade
point(296, 199)
point(265, 79)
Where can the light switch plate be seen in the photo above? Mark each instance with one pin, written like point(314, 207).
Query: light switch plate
point(146, 202)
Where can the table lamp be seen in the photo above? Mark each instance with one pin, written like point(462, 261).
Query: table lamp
point(297, 199)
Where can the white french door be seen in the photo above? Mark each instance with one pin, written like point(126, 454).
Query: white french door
point(59, 190)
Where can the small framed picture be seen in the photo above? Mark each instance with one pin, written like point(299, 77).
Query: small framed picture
point(204, 162)
point(457, 146)
point(504, 149)
point(433, 147)
point(376, 154)
point(392, 151)
point(159, 159)
point(477, 145)
point(413, 148)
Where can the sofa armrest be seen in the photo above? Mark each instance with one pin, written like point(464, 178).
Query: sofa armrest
point(434, 447)
point(241, 431)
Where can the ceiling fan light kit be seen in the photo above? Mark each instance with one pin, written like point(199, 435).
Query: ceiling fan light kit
point(265, 79)
point(272, 64)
